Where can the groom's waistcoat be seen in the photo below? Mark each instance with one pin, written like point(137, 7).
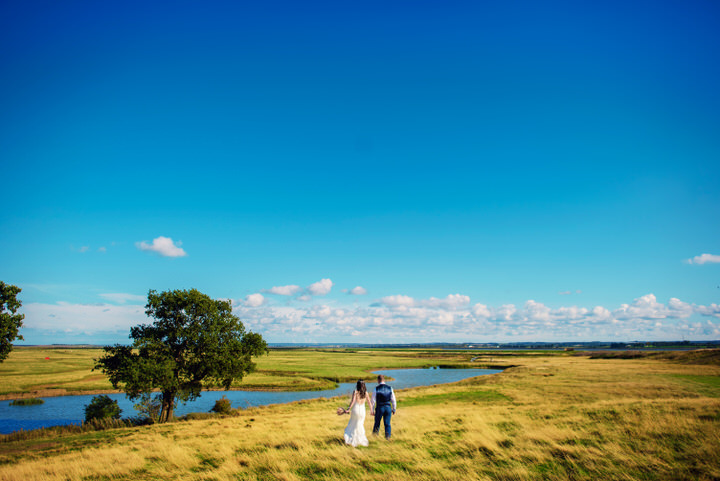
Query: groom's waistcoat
point(383, 394)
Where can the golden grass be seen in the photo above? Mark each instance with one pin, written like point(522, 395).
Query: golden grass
point(552, 418)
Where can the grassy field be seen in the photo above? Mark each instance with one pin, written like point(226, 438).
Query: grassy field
point(555, 417)
point(50, 372)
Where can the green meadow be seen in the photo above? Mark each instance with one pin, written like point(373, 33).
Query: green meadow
point(551, 416)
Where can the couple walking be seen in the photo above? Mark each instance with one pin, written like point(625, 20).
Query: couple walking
point(382, 406)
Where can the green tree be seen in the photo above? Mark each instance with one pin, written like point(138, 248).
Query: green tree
point(102, 407)
point(195, 342)
point(10, 321)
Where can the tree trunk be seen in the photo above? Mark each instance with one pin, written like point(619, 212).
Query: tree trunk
point(170, 410)
point(168, 401)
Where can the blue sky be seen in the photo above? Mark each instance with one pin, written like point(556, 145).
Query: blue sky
point(481, 171)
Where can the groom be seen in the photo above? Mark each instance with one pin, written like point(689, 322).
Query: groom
point(385, 405)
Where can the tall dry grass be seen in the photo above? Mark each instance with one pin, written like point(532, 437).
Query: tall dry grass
point(553, 418)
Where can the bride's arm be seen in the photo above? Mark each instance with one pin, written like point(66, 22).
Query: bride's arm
point(369, 400)
point(352, 401)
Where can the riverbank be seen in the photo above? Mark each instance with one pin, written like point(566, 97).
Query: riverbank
point(549, 418)
point(46, 372)
point(70, 410)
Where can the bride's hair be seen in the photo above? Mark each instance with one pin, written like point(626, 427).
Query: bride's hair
point(361, 389)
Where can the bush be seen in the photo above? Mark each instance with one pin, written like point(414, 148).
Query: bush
point(26, 402)
point(102, 407)
point(149, 408)
point(222, 406)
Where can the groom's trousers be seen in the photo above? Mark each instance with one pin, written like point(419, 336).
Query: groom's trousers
point(384, 412)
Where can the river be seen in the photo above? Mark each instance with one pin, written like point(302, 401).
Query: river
point(62, 410)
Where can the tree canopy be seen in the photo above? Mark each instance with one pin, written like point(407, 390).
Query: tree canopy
point(10, 321)
point(195, 342)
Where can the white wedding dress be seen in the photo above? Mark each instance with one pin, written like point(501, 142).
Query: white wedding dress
point(355, 430)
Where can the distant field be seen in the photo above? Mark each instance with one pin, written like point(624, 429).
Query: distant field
point(554, 417)
point(47, 372)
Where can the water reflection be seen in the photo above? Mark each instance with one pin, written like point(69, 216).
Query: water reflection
point(70, 409)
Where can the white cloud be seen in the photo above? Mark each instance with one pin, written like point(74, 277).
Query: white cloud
point(397, 301)
point(645, 307)
point(84, 249)
point(452, 301)
point(506, 312)
point(678, 308)
point(711, 310)
point(440, 318)
point(320, 288)
point(536, 311)
point(290, 290)
point(102, 249)
point(357, 291)
point(305, 298)
point(571, 312)
point(254, 300)
point(403, 319)
point(481, 310)
point(163, 246)
point(122, 298)
point(704, 259)
point(66, 317)
point(601, 313)
point(321, 312)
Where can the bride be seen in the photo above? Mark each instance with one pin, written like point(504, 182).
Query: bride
point(355, 430)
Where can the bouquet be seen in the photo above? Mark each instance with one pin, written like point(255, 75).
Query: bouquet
point(341, 411)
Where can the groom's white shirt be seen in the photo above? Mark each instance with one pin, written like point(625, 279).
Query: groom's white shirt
point(392, 397)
